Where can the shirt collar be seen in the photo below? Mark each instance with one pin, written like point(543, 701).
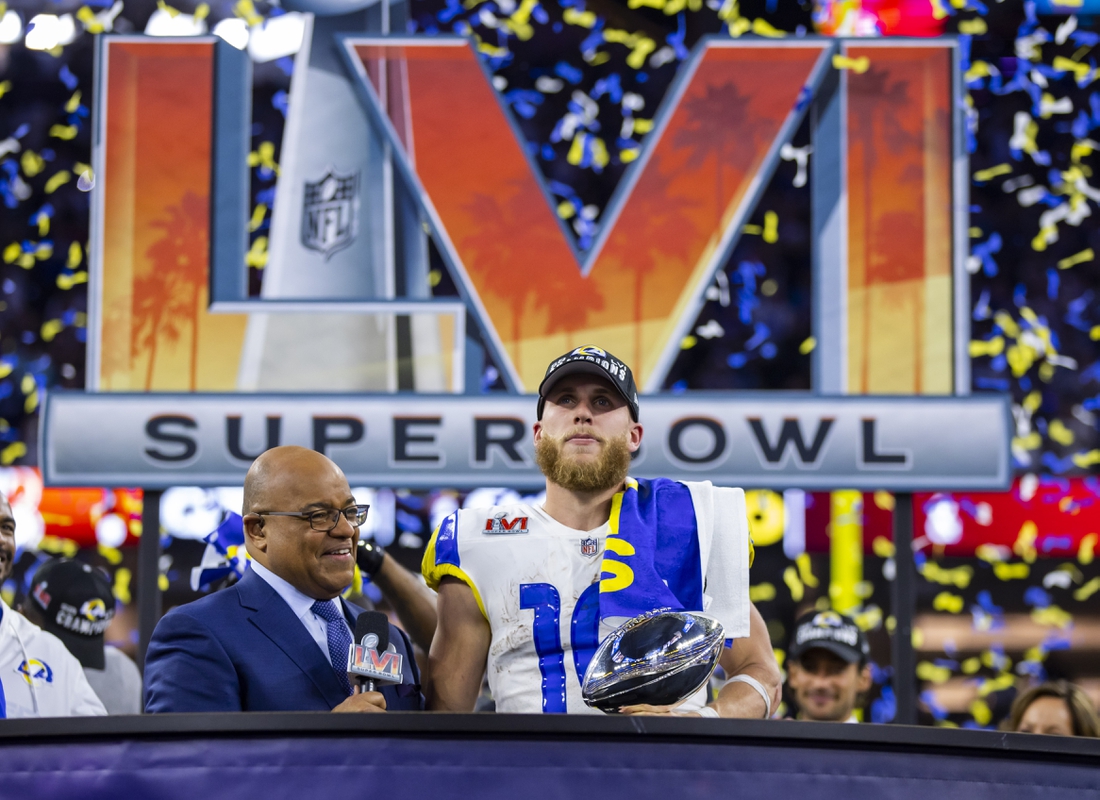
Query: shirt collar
point(299, 602)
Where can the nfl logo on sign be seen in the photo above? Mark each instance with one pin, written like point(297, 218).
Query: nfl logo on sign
point(330, 210)
point(589, 547)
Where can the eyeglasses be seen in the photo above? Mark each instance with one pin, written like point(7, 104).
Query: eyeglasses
point(326, 519)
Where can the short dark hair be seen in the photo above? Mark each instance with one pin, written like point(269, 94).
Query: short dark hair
point(1085, 722)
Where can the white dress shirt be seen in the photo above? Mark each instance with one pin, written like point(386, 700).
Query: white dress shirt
point(302, 606)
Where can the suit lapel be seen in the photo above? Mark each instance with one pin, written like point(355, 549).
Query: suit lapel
point(274, 619)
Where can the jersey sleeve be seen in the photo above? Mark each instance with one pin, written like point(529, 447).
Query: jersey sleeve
point(442, 558)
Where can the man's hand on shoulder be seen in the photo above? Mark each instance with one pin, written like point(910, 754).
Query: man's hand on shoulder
point(362, 703)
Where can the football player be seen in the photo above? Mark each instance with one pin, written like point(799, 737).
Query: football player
point(526, 593)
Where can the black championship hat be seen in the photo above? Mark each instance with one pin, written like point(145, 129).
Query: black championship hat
point(76, 604)
point(592, 360)
point(829, 631)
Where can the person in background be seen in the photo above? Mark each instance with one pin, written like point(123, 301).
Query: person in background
point(38, 676)
point(1057, 708)
point(827, 667)
point(74, 602)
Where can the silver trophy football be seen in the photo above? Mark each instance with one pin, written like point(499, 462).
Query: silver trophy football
point(658, 659)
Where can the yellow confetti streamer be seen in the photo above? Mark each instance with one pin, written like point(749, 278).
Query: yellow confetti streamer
point(172, 12)
point(264, 156)
point(1088, 590)
point(1006, 323)
point(979, 709)
point(112, 554)
point(998, 684)
point(810, 342)
point(121, 589)
point(12, 452)
point(73, 103)
point(991, 173)
point(688, 342)
point(1032, 401)
point(247, 11)
point(50, 329)
point(856, 65)
point(959, 577)
point(202, 11)
point(971, 665)
point(1024, 546)
point(260, 211)
point(927, 671)
point(1094, 333)
point(576, 150)
point(1079, 258)
point(1052, 616)
point(805, 573)
point(790, 577)
point(88, 18)
point(66, 281)
point(990, 553)
point(1086, 460)
point(994, 347)
point(869, 619)
point(1009, 572)
point(1060, 433)
point(57, 181)
point(32, 163)
point(64, 132)
point(762, 28)
point(586, 19)
point(1083, 73)
point(75, 256)
point(771, 227)
point(945, 601)
point(5, 87)
point(762, 593)
point(257, 254)
point(1086, 552)
point(973, 27)
point(739, 26)
point(883, 547)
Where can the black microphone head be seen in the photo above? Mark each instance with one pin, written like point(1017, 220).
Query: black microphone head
point(373, 623)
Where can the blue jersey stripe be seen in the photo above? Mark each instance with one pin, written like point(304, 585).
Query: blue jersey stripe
point(446, 542)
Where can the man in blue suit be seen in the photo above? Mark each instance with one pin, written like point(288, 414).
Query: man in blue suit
point(278, 639)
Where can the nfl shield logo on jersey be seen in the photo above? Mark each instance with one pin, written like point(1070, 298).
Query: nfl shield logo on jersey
point(589, 547)
point(330, 211)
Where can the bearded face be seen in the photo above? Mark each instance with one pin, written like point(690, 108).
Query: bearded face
point(580, 472)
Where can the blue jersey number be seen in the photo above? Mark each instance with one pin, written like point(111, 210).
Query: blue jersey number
point(544, 599)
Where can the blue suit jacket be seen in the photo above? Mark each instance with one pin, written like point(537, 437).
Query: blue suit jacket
point(242, 649)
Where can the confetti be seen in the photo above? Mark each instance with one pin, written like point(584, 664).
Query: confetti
point(857, 65)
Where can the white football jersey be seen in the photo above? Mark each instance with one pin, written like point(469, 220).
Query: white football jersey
point(537, 582)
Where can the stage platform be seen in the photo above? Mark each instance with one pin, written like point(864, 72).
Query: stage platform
point(213, 756)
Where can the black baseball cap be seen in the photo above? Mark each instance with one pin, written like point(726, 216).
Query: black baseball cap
point(76, 604)
point(830, 631)
point(591, 360)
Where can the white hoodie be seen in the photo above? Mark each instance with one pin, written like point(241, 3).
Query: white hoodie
point(39, 677)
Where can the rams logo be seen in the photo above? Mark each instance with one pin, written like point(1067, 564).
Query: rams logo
point(35, 670)
point(828, 619)
point(94, 609)
point(589, 350)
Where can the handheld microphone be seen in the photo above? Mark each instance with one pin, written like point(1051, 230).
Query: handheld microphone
point(373, 658)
